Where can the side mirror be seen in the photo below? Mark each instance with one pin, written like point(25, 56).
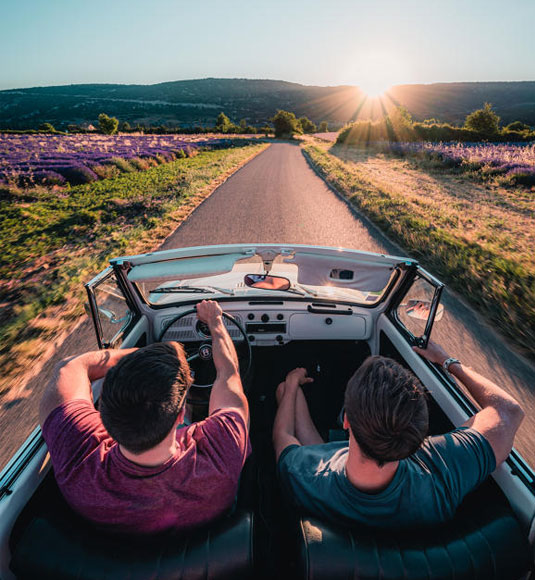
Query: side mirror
point(266, 282)
point(109, 315)
point(420, 309)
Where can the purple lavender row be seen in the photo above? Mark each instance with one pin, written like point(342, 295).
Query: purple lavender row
point(515, 161)
point(55, 160)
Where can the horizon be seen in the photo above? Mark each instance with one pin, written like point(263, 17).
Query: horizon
point(345, 43)
point(278, 80)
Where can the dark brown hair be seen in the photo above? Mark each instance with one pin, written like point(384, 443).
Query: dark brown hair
point(386, 408)
point(143, 394)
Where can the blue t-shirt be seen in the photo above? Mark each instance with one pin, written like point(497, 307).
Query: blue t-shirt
point(427, 488)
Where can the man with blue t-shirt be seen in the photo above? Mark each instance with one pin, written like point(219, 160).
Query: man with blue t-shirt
point(390, 473)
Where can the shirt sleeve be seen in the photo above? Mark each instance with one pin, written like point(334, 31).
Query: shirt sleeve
point(285, 473)
point(465, 459)
point(285, 460)
point(72, 431)
point(226, 441)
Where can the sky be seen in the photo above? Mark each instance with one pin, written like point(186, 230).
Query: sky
point(370, 43)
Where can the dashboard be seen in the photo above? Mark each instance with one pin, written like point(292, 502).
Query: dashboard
point(271, 323)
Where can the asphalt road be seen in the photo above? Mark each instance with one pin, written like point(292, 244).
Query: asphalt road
point(278, 198)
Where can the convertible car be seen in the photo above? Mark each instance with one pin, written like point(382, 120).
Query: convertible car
point(325, 309)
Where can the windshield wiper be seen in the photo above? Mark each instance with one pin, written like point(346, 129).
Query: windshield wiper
point(178, 289)
point(303, 289)
point(228, 291)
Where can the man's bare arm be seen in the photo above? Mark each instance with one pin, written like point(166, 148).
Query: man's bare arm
point(500, 415)
point(284, 426)
point(305, 429)
point(73, 376)
point(227, 392)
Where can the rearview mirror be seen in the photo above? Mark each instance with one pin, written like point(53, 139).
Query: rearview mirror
point(266, 282)
point(419, 309)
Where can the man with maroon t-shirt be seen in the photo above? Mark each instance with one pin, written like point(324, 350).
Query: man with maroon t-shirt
point(129, 467)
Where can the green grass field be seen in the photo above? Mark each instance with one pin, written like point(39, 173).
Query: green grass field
point(55, 240)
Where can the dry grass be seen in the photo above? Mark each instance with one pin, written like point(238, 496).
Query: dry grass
point(500, 218)
point(478, 238)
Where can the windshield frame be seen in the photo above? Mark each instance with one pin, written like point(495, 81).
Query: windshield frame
point(220, 266)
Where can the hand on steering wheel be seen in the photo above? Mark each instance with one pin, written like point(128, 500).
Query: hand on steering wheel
point(199, 352)
point(209, 312)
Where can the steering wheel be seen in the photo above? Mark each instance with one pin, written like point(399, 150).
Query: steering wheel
point(199, 352)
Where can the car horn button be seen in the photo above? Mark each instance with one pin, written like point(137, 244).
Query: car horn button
point(205, 352)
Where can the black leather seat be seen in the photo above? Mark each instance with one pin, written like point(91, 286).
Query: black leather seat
point(483, 542)
point(50, 541)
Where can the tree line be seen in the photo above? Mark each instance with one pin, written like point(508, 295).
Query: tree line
point(398, 125)
point(283, 124)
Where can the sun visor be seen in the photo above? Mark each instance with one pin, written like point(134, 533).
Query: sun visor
point(185, 268)
point(320, 270)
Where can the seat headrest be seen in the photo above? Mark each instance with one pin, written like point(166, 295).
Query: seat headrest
point(59, 545)
point(480, 543)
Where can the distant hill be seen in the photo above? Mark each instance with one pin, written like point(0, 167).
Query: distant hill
point(451, 102)
point(198, 102)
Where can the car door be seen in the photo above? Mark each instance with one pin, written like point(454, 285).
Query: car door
point(111, 308)
point(398, 330)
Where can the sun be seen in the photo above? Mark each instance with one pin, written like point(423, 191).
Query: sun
point(375, 72)
point(375, 88)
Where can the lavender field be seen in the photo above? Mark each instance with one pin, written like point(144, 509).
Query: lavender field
point(515, 163)
point(57, 160)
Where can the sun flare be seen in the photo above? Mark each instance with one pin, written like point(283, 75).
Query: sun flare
point(376, 72)
point(375, 88)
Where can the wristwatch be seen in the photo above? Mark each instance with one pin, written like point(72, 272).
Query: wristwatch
point(448, 362)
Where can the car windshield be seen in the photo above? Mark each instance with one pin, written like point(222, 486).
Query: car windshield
point(337, 286)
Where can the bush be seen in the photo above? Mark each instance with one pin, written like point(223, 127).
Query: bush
point(106, 171)
point(122, 164)
point(47, 128)
point(139, 164)
point(286, 124)
point(49, 178)
point(484, 121)
point(324, 127)
point(517, 126)
point(521, 176)
point(397, 126)
point(307, 126)
point(222, 124)
point(77, 174)
point(507, 135)
point(364, 132)
point(444, 132)
point(108, 125)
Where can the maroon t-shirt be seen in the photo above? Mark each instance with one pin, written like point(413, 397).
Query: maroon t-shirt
point(191, 488)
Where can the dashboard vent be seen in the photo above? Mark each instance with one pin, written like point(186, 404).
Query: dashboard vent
point(184, 329)
point(179, 335)
point(232, 329)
